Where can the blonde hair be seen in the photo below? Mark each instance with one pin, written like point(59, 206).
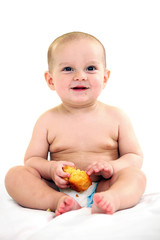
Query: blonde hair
point(69, 37)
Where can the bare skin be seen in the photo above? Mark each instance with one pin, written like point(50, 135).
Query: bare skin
point(66, 204)
point(101, 164)
point(81, 132)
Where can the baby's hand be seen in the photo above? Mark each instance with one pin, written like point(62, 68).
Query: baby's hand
point(58, 175)
point(101, 168)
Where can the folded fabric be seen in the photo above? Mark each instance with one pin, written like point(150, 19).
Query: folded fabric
point(85, 198)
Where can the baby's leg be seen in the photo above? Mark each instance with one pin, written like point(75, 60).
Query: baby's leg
point(122, 191)
point(25, 186)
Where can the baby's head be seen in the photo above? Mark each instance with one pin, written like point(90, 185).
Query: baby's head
point(77, 68)
point(69, 37)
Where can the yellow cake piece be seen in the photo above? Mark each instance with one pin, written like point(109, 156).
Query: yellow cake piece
point(79, 180)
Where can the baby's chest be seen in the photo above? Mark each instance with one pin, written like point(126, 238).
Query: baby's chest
point(88, 137)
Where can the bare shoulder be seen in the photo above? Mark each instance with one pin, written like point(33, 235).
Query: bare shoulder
point(115, 112)
point(47, 117)
point(125, 127)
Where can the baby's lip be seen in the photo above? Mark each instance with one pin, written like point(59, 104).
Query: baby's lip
point(79, 87)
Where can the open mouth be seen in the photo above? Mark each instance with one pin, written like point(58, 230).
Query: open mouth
point(80, 88)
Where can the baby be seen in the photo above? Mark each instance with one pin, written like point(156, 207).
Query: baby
point(81, 132)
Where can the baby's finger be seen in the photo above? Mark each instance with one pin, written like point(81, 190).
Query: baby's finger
point(62, 186)
point(90, 167)
point(90, 171)
point(60, 182)
point(60, 171)
point(97, 168)
point(63, 174)
point(65, 163)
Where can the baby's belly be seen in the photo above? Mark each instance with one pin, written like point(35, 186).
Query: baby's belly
point(83, 159)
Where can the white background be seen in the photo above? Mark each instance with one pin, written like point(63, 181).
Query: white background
point(130, 32)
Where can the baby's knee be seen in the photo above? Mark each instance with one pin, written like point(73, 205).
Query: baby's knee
point(136, 174)
point(12, 173)
point(130, 173)
point(16, 174)
point(141, 178)
point(11, 176)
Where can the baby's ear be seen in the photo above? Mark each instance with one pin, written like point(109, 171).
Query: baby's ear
point(106, 77)
point(49, 80)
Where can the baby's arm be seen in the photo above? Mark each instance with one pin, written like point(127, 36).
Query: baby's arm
point(37, 153)
point(130, 153)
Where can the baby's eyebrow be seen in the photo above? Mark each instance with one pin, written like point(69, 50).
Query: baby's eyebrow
point(88, 63)
point(93, 62)
point(64, 64)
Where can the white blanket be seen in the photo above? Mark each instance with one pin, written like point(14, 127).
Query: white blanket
point(137, 223)
point(141, 222)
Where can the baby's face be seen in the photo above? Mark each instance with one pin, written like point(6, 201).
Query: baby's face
point(79, 72)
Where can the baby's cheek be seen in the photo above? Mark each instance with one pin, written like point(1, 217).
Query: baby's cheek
point(98, 86)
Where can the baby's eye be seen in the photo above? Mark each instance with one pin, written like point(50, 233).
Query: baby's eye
point(67, 69)
point(91, 68)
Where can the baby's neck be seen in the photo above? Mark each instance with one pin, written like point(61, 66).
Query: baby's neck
point(80, 109)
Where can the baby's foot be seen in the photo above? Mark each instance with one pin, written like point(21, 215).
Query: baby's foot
point(66, 204)
point(105, 202)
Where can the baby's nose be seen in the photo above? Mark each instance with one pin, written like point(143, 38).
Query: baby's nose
point(80, 75)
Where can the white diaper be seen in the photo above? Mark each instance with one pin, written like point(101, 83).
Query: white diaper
point(85, 198)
